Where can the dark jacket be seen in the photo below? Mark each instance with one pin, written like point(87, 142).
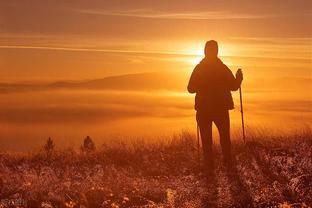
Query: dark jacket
point(213, 81)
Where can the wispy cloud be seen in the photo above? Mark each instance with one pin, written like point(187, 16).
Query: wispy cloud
point(201, 15)
point(91, 50)
point(247, 57)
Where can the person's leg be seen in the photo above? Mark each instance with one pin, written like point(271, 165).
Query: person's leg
point(205, 127)
point(222, 122)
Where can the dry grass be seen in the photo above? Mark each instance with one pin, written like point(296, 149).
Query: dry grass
point(269, 171)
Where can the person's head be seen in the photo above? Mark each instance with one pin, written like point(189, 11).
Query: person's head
point(211, 49)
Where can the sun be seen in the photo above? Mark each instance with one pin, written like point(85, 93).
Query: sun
point(195, 60)
point(196, 54)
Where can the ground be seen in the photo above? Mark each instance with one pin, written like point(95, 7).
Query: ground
point(268, 172)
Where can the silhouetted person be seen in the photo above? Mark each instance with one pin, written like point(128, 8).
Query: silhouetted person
point(213, 81)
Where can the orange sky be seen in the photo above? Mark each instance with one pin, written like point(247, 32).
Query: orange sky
point(49, 40)
point(45, 41)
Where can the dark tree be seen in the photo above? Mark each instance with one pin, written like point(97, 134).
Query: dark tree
point(49, 146)
point(88, 145)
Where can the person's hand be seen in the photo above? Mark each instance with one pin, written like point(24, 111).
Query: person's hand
point(239, 75)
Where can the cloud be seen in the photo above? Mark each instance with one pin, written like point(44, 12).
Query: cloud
point(111, 106)
point(183, 15)
point(90, 49)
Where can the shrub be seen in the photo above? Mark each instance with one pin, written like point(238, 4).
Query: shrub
point(49, 146)
point(88, 145)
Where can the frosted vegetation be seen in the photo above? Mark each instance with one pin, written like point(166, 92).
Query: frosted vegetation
point(269, 171)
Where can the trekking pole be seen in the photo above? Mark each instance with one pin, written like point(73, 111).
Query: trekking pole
point(242, 112)
point(198, 146)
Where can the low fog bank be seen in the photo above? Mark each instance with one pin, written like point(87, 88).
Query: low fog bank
point(28, 117)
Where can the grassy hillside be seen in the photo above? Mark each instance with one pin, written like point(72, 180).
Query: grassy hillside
point(269, 171)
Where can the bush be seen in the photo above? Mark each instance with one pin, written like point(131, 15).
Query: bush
point(49, 146)
point(88, 145)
